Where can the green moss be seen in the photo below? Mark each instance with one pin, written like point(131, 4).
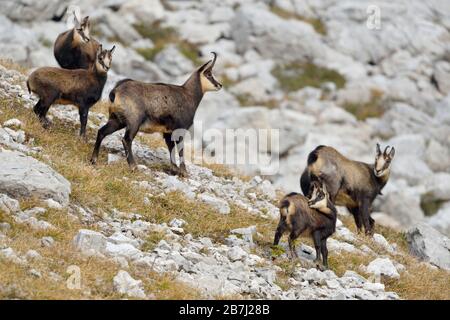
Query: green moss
point(316, 23)
point(155, 32)
point(296, 75)
point(277, 250)
point(152, 240)
point(45, 42)
point(371, 109)
point(429, 205)
point(149, 53)
point(161, 37)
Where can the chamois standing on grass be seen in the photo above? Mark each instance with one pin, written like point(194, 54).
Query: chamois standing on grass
point(314, 217)
point(157, 107)
point(79, 87)
point(352, 184)
point(75, 48)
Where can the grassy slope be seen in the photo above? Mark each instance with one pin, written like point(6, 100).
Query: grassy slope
point(104, 187)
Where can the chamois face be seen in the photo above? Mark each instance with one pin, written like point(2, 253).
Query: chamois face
point(104, 59)
point(207, 80)
point(319, 197)
point(383, 161)
point(82, 29)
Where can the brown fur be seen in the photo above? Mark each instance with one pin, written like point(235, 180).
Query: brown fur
point(72, 52)
point(299, 219)
point(80, 87)
point(156, 107)
point(352, 184)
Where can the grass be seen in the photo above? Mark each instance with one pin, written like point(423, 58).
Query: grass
point(316, 23)
point(161, 37)
point(246, 100)
point(430, 206)
point(10, 64)
point(296, 75)
point(102, 188)
point(371, 109)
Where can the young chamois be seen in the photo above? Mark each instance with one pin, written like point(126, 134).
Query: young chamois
point(75, 48)
point(157, 107)
point(352, 184)
point(314, 217)
point(79, 87)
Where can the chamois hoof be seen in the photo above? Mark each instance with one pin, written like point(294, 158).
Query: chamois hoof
point(93, 161)
point(45, 123)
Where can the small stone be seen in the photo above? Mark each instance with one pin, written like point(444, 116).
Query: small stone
point(332, 284)
point(33, 255)
point(52, 204)
point(217, 203)
point(383, 266)
point(47, 241)
point(236, 253)
point(5, 226)
point(35, 273)
point(177, 223)
point(125, 284)
point(13, 123)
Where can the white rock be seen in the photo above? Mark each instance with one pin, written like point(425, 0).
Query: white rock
point(47, 241)
point(429, 245)
point(8, 204)
point(125, 284)
point(21, 175)
point(177, 223)
point(383, 266)
point(87, 240)
point(236, 253)
point(33, 255)
point(217, 203)
point(13, 123)
point(381, 241)
point(53, 204)
point(173, 62)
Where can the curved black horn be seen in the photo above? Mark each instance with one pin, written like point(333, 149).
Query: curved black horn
point(214, 59)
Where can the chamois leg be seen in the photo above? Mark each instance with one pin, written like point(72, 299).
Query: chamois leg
point(317, 239)
point(357, 216)
point(110, 127)
point(279, 233)
point(292, 237)
point(365, 214)
point(37, 107)
point(83, 111)
point(127, 141)
point(44, 107)
point(171, 145)
point(180, 147)
point(324, 250)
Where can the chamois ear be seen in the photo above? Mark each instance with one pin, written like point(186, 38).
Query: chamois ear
point(99, 49)
point(392, 153)
point(378, 149)
point(208, 65)
point(85, 20)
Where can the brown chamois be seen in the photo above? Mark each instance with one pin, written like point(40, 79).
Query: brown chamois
point(157, 107)
point(314, 217)
point(79, 87)
point(75, 48)
point(352, 184)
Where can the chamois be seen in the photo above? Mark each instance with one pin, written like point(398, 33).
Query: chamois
point(80, 87)
point(157, 107)
point(352, 184)
point(75, 48)
point(314, 217)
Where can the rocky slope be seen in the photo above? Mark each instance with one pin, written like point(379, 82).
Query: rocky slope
point(155, 235)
